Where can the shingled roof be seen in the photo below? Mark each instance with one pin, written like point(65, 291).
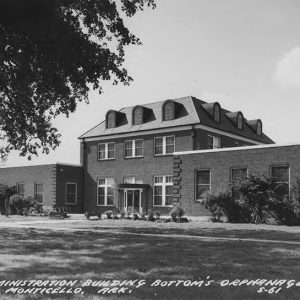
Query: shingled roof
point(192, 111)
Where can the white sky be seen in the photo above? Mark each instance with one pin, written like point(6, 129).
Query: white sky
point(244, 54)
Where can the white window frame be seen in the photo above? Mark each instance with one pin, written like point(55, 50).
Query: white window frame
point(106, 151)
point(134, 180)
point(163, 185)
point(280, 182)
point(217, 143)
point(66, 197)
point(133, 143)
point(105, 190)
point(200, 170)
point(164, 144)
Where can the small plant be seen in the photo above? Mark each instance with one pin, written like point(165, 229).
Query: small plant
point(177, 213)
point(157, 215)
point(151, 216)
point(109, 214)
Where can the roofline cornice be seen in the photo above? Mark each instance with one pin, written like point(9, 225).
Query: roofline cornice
point(171, 129)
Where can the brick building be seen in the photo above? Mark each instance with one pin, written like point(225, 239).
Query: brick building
point(198, 171)
point(55, 184)
point(128, 158)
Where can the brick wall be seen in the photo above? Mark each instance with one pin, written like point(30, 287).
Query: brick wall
point(69, 174)
point(146, 167)
point(30, 175)
point(201, 140)
point(257, 160)
point(53, 177)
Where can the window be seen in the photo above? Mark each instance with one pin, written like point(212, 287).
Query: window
point(163, 191)
point(21, 189)
point(134, 148)
point(281, 175)
point(164, 145)
point(111, 119)
point(38, 192)
point(169, 111)
point(238, 174)
point(71, 193)
point(259, 128)
point(132, 180)
point(106, 151)
point(202, 183)
point(105, 195)
point(240, 121)
point(137, 115)
point(213, 142)
point(217, 113)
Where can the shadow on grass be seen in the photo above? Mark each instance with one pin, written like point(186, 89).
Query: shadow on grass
point(46, 254)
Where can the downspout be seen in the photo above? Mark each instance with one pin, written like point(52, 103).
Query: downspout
point(83, 174)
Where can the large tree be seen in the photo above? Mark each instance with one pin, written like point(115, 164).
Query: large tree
point(51, 53)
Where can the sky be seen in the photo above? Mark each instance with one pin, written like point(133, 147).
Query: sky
point(243, 54)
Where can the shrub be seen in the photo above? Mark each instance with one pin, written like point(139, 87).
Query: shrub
point(17, 203)
point(47, 209)
point(254, 199)
point(177, 213)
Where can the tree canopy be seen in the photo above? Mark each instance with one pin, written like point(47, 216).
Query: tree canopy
point(51, 53)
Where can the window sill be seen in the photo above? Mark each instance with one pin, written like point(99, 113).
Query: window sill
point(70, 203)
point(133, 157)
point(162, 205)
point(106, 159)
point(107, 205)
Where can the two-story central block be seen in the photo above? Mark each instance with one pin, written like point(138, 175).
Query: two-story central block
point(127, 159)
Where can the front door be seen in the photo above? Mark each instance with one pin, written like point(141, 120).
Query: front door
point(133, 201)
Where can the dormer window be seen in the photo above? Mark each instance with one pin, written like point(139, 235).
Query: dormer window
point(169, 110)
point(111, 119)
point(240, 121)
point(137, 115)
point(217, 112)
point(259, 128)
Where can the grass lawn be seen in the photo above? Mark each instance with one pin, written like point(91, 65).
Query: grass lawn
point(115, 253)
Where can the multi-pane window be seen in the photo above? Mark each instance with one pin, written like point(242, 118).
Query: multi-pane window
point(105, 195)
point(281, 176)
point(71, 193)
point(238, 174)
point(133, 148)
point(259, 128)
point(240, 121)
point(169, 111)
point(163, 191)
point(202, 183)
point(217, 113)
point(106, 151)
point(111, 120)
point(21, 189)
point(213, 142)
point(132, 180)
point(38, 192)
point(164, 145)
point(138, 115)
